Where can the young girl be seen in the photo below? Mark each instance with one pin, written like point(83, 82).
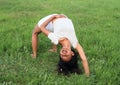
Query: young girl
point(60, 30)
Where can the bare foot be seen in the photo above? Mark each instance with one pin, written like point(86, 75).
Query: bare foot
point(33, 56)
point(53, 50)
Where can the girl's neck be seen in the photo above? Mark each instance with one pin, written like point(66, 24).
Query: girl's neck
point(65, 42)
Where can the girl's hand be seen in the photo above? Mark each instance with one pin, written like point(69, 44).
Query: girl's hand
point(60, 16)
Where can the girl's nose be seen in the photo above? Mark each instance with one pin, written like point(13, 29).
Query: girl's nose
point(64, 51)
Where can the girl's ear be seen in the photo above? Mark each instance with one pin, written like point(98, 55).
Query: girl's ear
point(73, 53)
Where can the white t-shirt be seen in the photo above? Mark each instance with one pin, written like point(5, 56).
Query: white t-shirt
point(62, 28)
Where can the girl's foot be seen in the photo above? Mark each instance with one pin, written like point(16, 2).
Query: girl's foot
point(53, 50)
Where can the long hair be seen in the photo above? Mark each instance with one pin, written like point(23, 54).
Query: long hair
point(70, 66)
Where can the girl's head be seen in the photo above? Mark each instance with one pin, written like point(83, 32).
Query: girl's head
point(68, 63)
point(66, 54)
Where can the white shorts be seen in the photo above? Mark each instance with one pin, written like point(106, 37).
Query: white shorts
point(49, 27)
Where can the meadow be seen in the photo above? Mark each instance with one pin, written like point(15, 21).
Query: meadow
point(97, 26)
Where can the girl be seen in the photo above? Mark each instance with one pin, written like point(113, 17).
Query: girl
point(60, 30)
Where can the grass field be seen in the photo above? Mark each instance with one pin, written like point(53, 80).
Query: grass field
point(97, 25)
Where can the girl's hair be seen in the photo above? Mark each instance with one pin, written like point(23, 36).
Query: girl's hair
point(70, 66)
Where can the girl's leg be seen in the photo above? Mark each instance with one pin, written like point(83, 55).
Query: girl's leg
point(35, 33)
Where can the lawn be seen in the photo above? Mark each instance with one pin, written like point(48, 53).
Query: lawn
point(97, 26)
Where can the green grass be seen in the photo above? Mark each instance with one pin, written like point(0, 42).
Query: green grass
point(98, 30)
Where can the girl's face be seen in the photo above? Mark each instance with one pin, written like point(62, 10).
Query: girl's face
point(66, 54)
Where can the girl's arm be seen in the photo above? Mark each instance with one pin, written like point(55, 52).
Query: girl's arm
point(50, 35)
point(42, 27)
point(83, 58)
